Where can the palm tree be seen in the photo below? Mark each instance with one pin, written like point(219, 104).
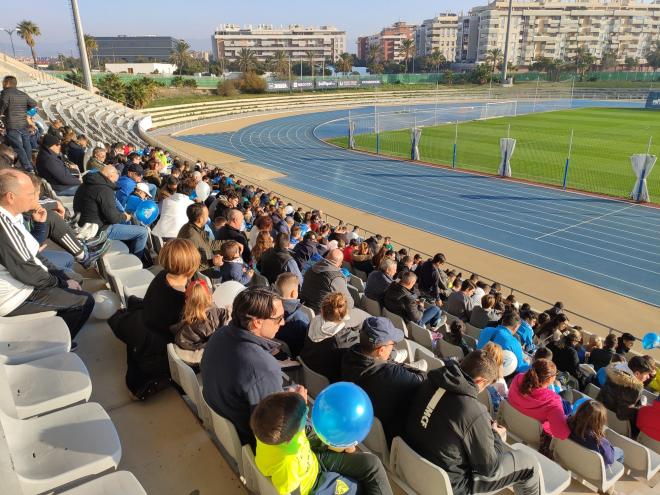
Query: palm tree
point(28, 31)
point(631, 63)
point(310, 60)
point(281, 62)
point(344, 63)
point(449, 77)
point(179, 55)
point(246, 59)
point(583, 60)
point(90, 47)
point(652, 56)
point(437, 59)
point(493, 59)
point(407, 50)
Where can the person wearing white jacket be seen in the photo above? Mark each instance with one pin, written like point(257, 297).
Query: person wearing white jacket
point(173, 214)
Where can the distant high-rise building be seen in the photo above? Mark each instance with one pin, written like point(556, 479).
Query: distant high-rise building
point(134, 48)
point(388, 41)
point(438, 34)
point(555, 29)
point(327, 42)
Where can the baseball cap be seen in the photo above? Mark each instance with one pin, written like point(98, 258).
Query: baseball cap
point(143, 187)
point(51, 140)
point(378, 331)
point(132, 167)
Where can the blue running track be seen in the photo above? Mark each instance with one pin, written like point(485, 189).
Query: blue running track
point(604, 242)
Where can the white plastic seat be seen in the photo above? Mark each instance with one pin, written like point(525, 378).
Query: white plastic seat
point(421, 476)
point(256, 482)
point(553, 478)
point(258, 280)
point(447, 350)
point(226, 433)
point(371, 306)
point(53, 450)
point(520, 427)
point(397, 321)
point(116, 247)
point(357, 282)
point(649, 442)
point(586, 464)
point(119, 483)
point(420, 335)
point(592, 390)
point(44, 385)
point(587, 370)
point(376, 442)
point(487, 401)
point(641, 460)
point(355, 295)
point(308, 311)
point(121, 262)
point(185, 377)
point(314, 382)
point(23, 340)
point(471, 330)
point(132, 281)
point(622, 427)
point(360, 274)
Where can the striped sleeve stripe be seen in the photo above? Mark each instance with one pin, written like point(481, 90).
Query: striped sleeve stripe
point(15, 238)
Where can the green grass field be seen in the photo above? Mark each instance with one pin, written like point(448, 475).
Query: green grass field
point(603, 140)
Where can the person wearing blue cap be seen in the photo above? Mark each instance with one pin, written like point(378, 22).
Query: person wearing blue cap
point(390, 385)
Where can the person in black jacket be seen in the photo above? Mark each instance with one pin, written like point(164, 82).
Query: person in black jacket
point(400, 300)
point(278, 259)
point(390, 385)
point(599, 358)
point(303, 251)
point(296, 320)
point(449, 427)
point(96, 203)
point(432, 280)
point(565, 357)
point(51, 166)
point(14, 105)
point(231, 232)
point(75, 152)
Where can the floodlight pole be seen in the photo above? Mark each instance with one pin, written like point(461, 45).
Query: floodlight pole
point(505, 62)
point(87, 75)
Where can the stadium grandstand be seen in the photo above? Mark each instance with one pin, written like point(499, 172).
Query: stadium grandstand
point(172, 309)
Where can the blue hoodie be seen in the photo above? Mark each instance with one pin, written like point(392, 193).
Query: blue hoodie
point(508, 342)
point(485, 336)
point(525, 333)
point(125, 187)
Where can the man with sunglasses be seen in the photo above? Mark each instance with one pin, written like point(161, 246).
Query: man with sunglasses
point(238, 367)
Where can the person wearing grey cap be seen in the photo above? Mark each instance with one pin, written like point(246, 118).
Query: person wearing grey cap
point(390, 385)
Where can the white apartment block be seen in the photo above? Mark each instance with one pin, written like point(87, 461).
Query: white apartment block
point(557, 28)
point(439, 33)
point(327, 42)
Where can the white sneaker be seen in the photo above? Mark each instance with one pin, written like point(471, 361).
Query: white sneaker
point(420, 365)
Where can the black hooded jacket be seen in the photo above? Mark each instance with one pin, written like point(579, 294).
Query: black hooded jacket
point(455, 432)
point(95, 201)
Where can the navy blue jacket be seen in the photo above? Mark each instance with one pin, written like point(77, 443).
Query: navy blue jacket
point(296, 323)
point(233, 271)
point(238, 371)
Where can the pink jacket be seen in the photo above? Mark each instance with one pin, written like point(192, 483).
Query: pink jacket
point(542, 404)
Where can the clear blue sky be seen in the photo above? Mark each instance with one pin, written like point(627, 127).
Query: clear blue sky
point(195, 20)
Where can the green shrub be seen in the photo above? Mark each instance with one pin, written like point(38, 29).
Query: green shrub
point(227, 88)
point(254, 84)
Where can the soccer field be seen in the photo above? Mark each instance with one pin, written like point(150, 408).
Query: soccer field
point(603, 141)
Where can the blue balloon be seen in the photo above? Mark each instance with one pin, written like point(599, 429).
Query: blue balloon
point(132, 203)
point(346, 273)
point(147, 212)
point(342, 415)
point(32, 111)
point(651, 341)
point(579, 402)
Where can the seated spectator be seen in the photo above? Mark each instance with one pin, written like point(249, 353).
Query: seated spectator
point(405, 264)
point(504, 335)
point(305, 250)
point(328, 337)
point(201, 318)
point(263, 223)
point(481, 290)
point(296, 235)
point(323, 278)
point(432, 279)
point(460, 303)
point(529, 394)
point(238, 368)
point(209, 250)
point(95, 201)
point(296, 321)
point(557, 309)
point(648, 420)
point(389, 385)
point(565, 357)
point(75, 151)
point(587, 426)
point(456, 336)
point(498, 390)
point(263, 244)
point(379, 280)
point(552, 329)
point(173, 214)
point(29, 283)
point(231, 231)
point(51, 166)
point(293, 465)
point(278, 259)
point(525, 332)
point(601, 374)
point(232, 267)
point(400, 300)
point(97, 161)
point(126, 183)
point(169, 187)
point(624, 344)
point(622, 392)
point(484, 315)
point(361, 258)
point(449, 427)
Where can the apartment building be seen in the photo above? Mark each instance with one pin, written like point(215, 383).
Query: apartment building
point(557, 28)
point(327, 42)
point(389, 41)
point(438, 34)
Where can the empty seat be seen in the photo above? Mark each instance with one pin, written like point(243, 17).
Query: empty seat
point(376, 442)
point(356, 282)
point(586, 464)
point(371, 306)
point(133, 282)
point(520, 427)
point(314, 382)
point(419, 475)
point(185, 377)
point(23, 340)
point(447, 350)
point(420, 335)
point(227, 436)
point(43, 385)
point(116, 247)
point(53, 450)
point(649, 442)
point(641, 460)
point(620, 426)
point(397, 321)
point(592, 390)
point(119, 482)
point(355, 295)
point(554, 479)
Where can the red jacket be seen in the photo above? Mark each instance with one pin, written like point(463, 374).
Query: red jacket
point(648, 420)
